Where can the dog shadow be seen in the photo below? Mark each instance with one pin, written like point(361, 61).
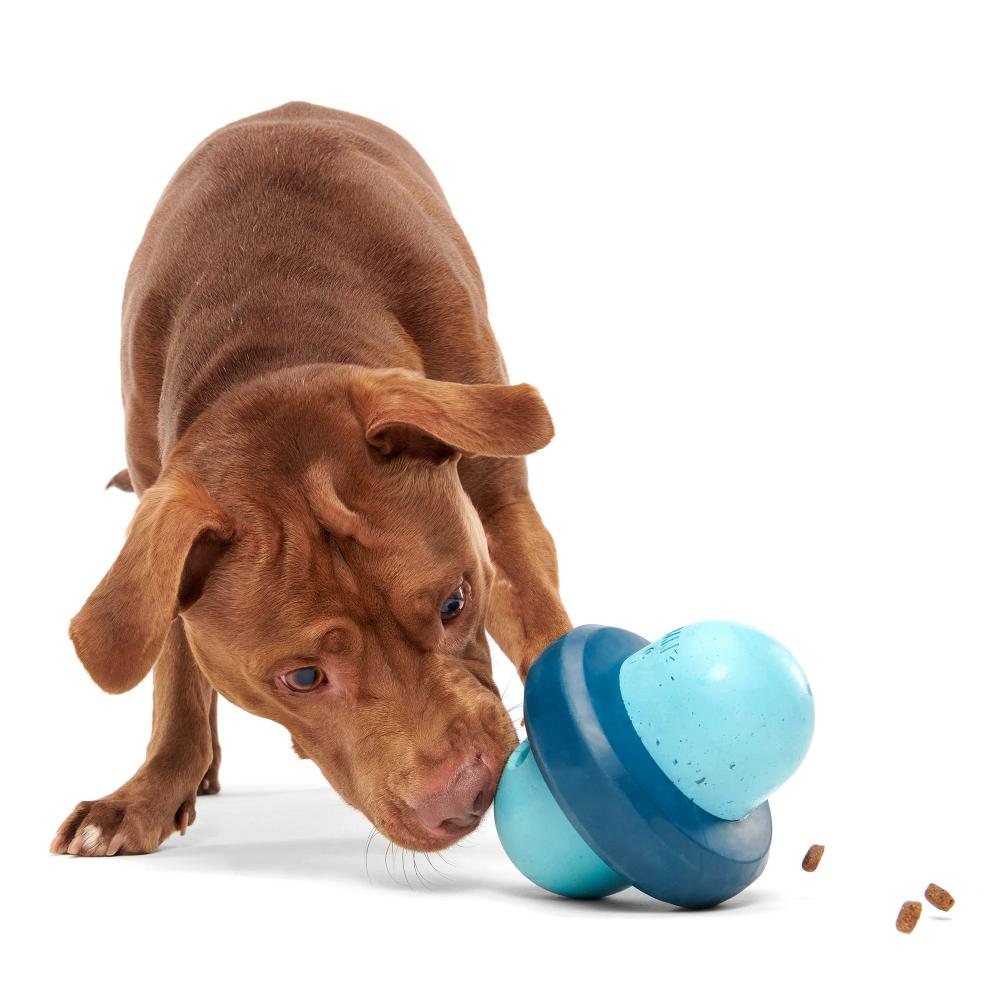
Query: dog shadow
point(308, 833)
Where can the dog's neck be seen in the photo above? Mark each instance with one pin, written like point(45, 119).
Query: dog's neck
point(228, 344)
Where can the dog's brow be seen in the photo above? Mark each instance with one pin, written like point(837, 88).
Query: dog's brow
point(342, 570)
point(418, 625)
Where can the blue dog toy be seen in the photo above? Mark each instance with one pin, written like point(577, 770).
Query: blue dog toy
point(649, 764)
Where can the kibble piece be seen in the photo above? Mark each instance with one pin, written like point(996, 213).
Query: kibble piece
point(941, 898)
point(909, 914)
point(813, 857)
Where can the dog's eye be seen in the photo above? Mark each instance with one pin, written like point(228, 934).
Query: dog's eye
point(452, 607)
point(303, 679)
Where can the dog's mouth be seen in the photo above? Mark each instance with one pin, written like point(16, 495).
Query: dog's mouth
point(447, 835)
point(399, 825)
point(438, 821)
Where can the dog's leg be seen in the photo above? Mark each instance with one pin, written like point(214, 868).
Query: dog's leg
point(526, 612)
point(160, 797)
point(210, 783)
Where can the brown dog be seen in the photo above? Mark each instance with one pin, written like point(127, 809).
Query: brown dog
point(333, 509)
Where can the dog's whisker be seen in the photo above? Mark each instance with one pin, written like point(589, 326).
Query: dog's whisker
point(393, 855)
point(406, 878)
point(368, 845)
point(391, 872)
point(506, 686)
point(431, 882)
point(516, 712)
point(435, 868)
point(416, 871)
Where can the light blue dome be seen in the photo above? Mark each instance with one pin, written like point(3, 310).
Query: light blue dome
point(540, 840)
point(724, 710)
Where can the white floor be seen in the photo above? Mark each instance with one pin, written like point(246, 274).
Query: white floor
point(272, 890)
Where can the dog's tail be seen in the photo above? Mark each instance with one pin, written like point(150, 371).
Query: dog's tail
point(121, 481)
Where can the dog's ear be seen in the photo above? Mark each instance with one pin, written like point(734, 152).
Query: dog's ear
point(121, 481)
point(173, 542)
point(403, 413)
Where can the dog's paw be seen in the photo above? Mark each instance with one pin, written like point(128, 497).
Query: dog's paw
point(121, 823)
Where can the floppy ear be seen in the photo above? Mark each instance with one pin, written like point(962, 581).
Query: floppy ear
point(173, 542)
point(404, 413)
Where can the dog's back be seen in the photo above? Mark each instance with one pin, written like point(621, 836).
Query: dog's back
point(295, 236)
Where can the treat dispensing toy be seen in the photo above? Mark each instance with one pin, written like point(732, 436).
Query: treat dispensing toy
point(649, 764)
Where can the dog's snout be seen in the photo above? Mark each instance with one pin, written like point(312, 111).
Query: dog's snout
point(458, 806)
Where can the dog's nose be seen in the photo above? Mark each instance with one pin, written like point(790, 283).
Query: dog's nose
point(459, 805)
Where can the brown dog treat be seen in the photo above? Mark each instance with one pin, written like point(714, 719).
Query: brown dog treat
point(909, 914)
point(939, 897)
point(813, 857)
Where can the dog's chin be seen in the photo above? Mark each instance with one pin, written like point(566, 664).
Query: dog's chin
point(398, 825)
point(425, 842)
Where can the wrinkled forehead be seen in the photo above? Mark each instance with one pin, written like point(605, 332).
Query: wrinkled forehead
point(292, 579)
point(413, 556)
point(412, 514)
point(428, 537)
point(280, 586)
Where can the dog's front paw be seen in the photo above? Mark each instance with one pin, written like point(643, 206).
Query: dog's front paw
point(123, 823)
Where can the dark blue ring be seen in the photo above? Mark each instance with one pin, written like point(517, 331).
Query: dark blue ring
point(612, 791)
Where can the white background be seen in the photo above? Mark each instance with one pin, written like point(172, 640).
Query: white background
point(749, 253)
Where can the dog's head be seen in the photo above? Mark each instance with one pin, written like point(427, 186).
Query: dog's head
point(332, 575)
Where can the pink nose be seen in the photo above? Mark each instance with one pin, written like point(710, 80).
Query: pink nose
point(458, 806)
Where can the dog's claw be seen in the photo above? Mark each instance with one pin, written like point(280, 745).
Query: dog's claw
point(92, 840)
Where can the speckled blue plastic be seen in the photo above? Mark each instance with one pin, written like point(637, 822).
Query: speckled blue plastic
point(723, 709)
point(539, 838)
point(612, 791)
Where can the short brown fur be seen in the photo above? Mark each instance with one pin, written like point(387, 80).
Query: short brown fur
point(324, 443)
